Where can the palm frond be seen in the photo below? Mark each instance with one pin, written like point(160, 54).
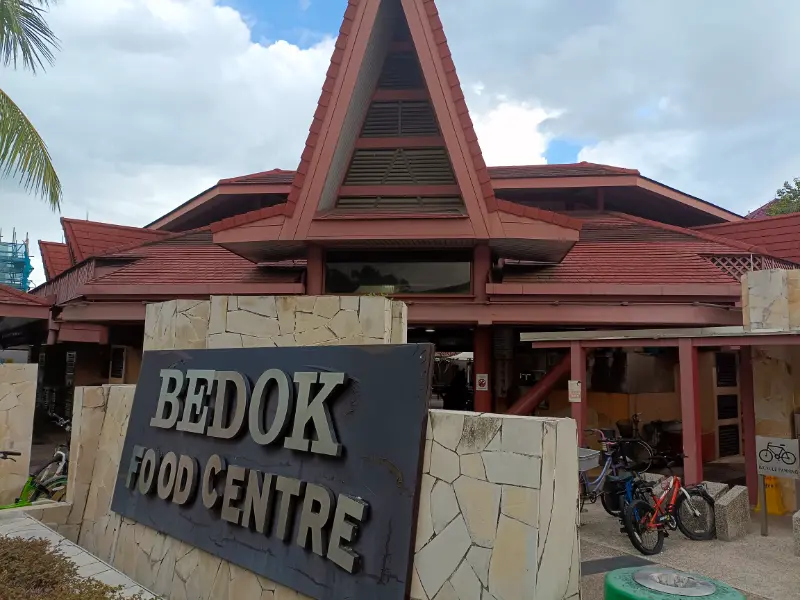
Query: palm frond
point(24, 155)
point(25, 36)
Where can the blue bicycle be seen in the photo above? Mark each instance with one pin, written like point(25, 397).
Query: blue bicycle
point(622, 457)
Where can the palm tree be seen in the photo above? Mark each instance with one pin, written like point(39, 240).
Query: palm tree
point(26, 38)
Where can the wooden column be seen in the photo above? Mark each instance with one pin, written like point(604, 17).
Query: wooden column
point(482, 363)
point(481, 265)
point(747, 399)
point(315, 271)
point(690, 412)
point(578, 373)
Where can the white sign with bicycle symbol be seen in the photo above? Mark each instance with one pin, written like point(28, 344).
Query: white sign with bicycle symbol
point(778, 457)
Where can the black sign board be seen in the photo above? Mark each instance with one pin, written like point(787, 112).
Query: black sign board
point(299, 464)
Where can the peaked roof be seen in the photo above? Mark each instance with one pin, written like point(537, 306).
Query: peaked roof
point(86, 239)
point(55, 258)
point(779, 235)
point(452, 180)
point(761, 211)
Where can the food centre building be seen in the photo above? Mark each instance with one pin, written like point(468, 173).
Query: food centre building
point(392, 196)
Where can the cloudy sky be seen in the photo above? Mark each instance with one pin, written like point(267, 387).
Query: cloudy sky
point(152, 101)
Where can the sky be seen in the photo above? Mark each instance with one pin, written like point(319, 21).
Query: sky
point(152, 101)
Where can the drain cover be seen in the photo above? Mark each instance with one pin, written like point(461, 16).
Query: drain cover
point(670, 581)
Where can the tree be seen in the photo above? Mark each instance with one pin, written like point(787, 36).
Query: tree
point(787, 199)
point(27, 41)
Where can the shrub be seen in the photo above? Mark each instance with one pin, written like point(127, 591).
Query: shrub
point(34, 570)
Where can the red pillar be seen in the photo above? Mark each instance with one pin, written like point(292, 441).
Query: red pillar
point(578, 373)
point(315, 271)
point(747, 399)
point(481, 265)
point(690, 412)
point(482, 363)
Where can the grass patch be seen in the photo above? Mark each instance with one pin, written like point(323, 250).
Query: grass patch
point(35, 570)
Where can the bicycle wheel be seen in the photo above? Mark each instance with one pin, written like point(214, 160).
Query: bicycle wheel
point(788, 458)
point(766, 455)
point(639, 454)
point(646, 538)
point(695, 514)
point(611, 503)
point(54, 489)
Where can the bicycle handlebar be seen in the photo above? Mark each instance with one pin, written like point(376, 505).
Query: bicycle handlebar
point(6, 454)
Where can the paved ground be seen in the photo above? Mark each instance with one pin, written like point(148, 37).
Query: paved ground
point(763, 568)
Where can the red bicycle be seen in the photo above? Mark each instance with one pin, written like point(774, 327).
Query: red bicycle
point(667, 506)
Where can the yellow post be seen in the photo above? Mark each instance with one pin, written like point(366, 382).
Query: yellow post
point(774, 497)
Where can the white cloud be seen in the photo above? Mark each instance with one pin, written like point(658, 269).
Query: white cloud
point(510, 133)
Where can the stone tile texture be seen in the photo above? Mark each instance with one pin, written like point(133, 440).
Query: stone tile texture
point(17, 403)
point(512, 513)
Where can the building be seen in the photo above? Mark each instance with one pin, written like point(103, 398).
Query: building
point(392, 196)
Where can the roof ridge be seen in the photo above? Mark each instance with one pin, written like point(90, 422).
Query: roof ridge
point(566, 165)
point(540, 214)
point(748, 220)
point(167, 237)
point(241, 178)
point(26, 296)
point(694, 233)
point(112, 225)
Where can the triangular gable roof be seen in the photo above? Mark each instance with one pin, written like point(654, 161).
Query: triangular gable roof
point(350, 89)
point(55, 258)
point(10, 295)
point(86, 239)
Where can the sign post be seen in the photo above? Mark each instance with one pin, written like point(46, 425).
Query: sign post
point(574, 390)
point(775, 457)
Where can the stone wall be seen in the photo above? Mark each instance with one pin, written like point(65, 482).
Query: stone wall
point(17, 403)
point(771, 300)
point(498, 494)
point(776, 392)
point(498, 513)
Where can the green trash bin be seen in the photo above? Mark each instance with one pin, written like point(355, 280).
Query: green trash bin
point(662, 583)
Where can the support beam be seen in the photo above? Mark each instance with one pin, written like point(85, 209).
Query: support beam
point(577, 355)
point(747, 398)
point(690, 412)
point(315, 271)
point(481, 266)
point(482, 363)
point(537, 394)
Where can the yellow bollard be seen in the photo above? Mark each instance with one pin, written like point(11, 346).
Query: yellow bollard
point(774, 497)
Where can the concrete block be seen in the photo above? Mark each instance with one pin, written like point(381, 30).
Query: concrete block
point(796, 532)
point(732, 514)
point(716, 490)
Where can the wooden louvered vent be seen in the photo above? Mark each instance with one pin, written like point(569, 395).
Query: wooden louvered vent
point(403, 147)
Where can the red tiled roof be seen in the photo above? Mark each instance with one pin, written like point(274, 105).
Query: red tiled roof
point(275, 176)
point(616, 248)
point(581, 169)
point(10, 295)
point(55, 258)
point(189, 258)
point(761, 211)
point(779, 235)
point(539, 214)
point(90, 238)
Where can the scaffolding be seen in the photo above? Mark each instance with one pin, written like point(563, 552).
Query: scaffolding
point(15, 262)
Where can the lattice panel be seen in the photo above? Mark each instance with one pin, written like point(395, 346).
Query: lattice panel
point(411, 205)
point(422, 166)
point(736, 265)
point(401, 71)
point(401, 118)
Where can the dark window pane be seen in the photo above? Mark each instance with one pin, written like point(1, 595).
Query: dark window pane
point(727, 406)
point(727, 373)
point(398, 277)
point(729, 440)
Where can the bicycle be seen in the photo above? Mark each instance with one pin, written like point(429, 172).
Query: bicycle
point(49, 482)
point(617, 468)
point(777, 452)
point(670, 510)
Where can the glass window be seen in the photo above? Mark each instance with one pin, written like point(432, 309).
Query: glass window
point(397, 276)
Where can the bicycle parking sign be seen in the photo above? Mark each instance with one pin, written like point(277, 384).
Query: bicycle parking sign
point(778, 457)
